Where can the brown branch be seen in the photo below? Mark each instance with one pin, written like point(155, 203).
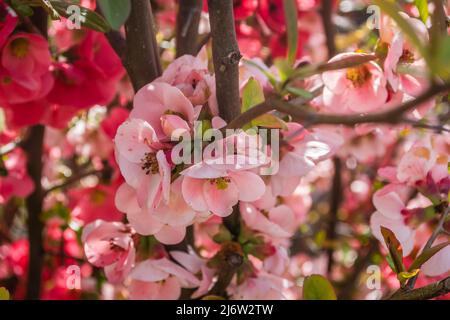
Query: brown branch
point(226, 57)
point(419, 124)
point(328, 26)
point(188, 18)
point(335, 202)
point(142, 56)
point(424, 293)
point(301, 114)
point(33, 146)
point(74, 179)
point(231, 258)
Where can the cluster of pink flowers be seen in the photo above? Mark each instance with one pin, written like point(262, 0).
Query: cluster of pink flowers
point(422, 169)
point(161, 198)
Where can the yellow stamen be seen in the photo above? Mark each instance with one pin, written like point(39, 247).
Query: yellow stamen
point(150, 164)
point(422, 152)
point(358, 75)
point(221, 183)
point(19, 47)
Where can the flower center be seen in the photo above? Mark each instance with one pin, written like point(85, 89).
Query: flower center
point(173, 113)
point(407, 56)
point(221, 183)
point(358, 75)
point(6, 80)
point(19, 47)
point(422, 152)
point(150, 163)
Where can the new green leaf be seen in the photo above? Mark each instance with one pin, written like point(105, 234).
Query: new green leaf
point(4, 294)
point(291, 16)
point(252, 94)
point(116, 12)
point(422, 6)
point(91, 19)
point(317, 287)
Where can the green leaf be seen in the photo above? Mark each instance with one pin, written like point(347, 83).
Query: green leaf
point(252, 94)
point(291, 16)
point(269, 121)
point(426, 255)
point(405, 275)
point(299, 92)
point(92, 20)
point(45, 4)
point(392, 9)
point(4, 294)
point(116, 12)
point(317, 287)
point(223, 235)
point(22, 9)
point(49, 9)
point(395, 249)
point(441, 58)
point(422, 6)
point(284, 68)
point(213, 297)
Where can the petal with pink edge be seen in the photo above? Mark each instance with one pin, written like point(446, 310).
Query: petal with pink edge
point(250, 186)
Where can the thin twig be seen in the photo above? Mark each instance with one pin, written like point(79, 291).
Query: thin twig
point(73, 179)
point(335, 202)
point(301, 114)
point(431, 291)
point(419, 124)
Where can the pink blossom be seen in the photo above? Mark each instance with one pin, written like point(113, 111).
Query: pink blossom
point(218, 188)
point(160, 279)
point(90, 204)
point(167, 222)
point(9, 20)
point(190, 74)
point(25, 69)
point(196, 265)
point(15, 180)
point(262, 287)
point(439, 263)
point(390, 207)
point(109, 245)
point(277, 222)
point(113, 120)
point(154, 102)
point(92, 78)
point(142, 163)
point(300, 155)
point(360, 89)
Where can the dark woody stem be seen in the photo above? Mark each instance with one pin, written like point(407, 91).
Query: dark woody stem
point(226, 57)
point(141, 56)
point(33, 146)
point(188, 18)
